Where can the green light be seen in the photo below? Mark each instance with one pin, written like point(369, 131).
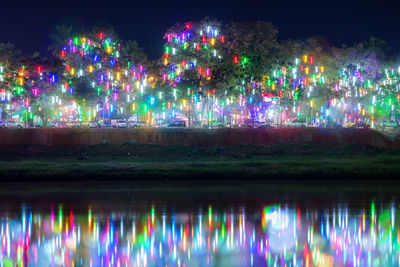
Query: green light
point(372, 211)
point(19, 90)
point(60, 215)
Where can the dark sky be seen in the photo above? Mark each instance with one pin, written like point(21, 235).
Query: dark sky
point(28, 23)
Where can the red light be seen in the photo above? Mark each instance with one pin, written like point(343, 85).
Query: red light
point(223, 39)
point(311, 60)
point(204, 39)
point(188, 26)
point(101, 35)
point(235, 59)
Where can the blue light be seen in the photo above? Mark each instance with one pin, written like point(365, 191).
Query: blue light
point(95, 58)
point(53, 78)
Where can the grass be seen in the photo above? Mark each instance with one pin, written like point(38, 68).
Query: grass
point(138, 162)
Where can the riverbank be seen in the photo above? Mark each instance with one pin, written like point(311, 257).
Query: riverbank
point(194, 137)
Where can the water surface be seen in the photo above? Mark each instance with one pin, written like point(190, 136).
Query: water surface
point(335, 233)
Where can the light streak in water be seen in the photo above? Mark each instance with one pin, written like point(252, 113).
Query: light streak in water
point(278, 235)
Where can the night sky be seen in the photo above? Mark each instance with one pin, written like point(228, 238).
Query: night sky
point(29, 23)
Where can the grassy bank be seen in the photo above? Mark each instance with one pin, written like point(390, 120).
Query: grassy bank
point(139, 162)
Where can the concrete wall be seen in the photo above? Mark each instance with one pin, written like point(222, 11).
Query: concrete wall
point(192, 137)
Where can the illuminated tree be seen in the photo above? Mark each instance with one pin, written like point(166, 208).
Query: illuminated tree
point(193, 54)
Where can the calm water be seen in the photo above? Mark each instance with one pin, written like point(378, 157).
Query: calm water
point(276, 234)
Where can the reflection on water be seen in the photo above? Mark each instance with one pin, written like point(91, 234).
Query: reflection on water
point(277, 235)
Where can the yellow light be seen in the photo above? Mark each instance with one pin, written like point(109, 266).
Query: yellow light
point(165, 61)
point(322, 68)
point(72, 71)
point(133, 107)
point(109, 49)
point(213, 41)
point(305, 57)
point(118, 76)
point(307, 70)
point(90, 68)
